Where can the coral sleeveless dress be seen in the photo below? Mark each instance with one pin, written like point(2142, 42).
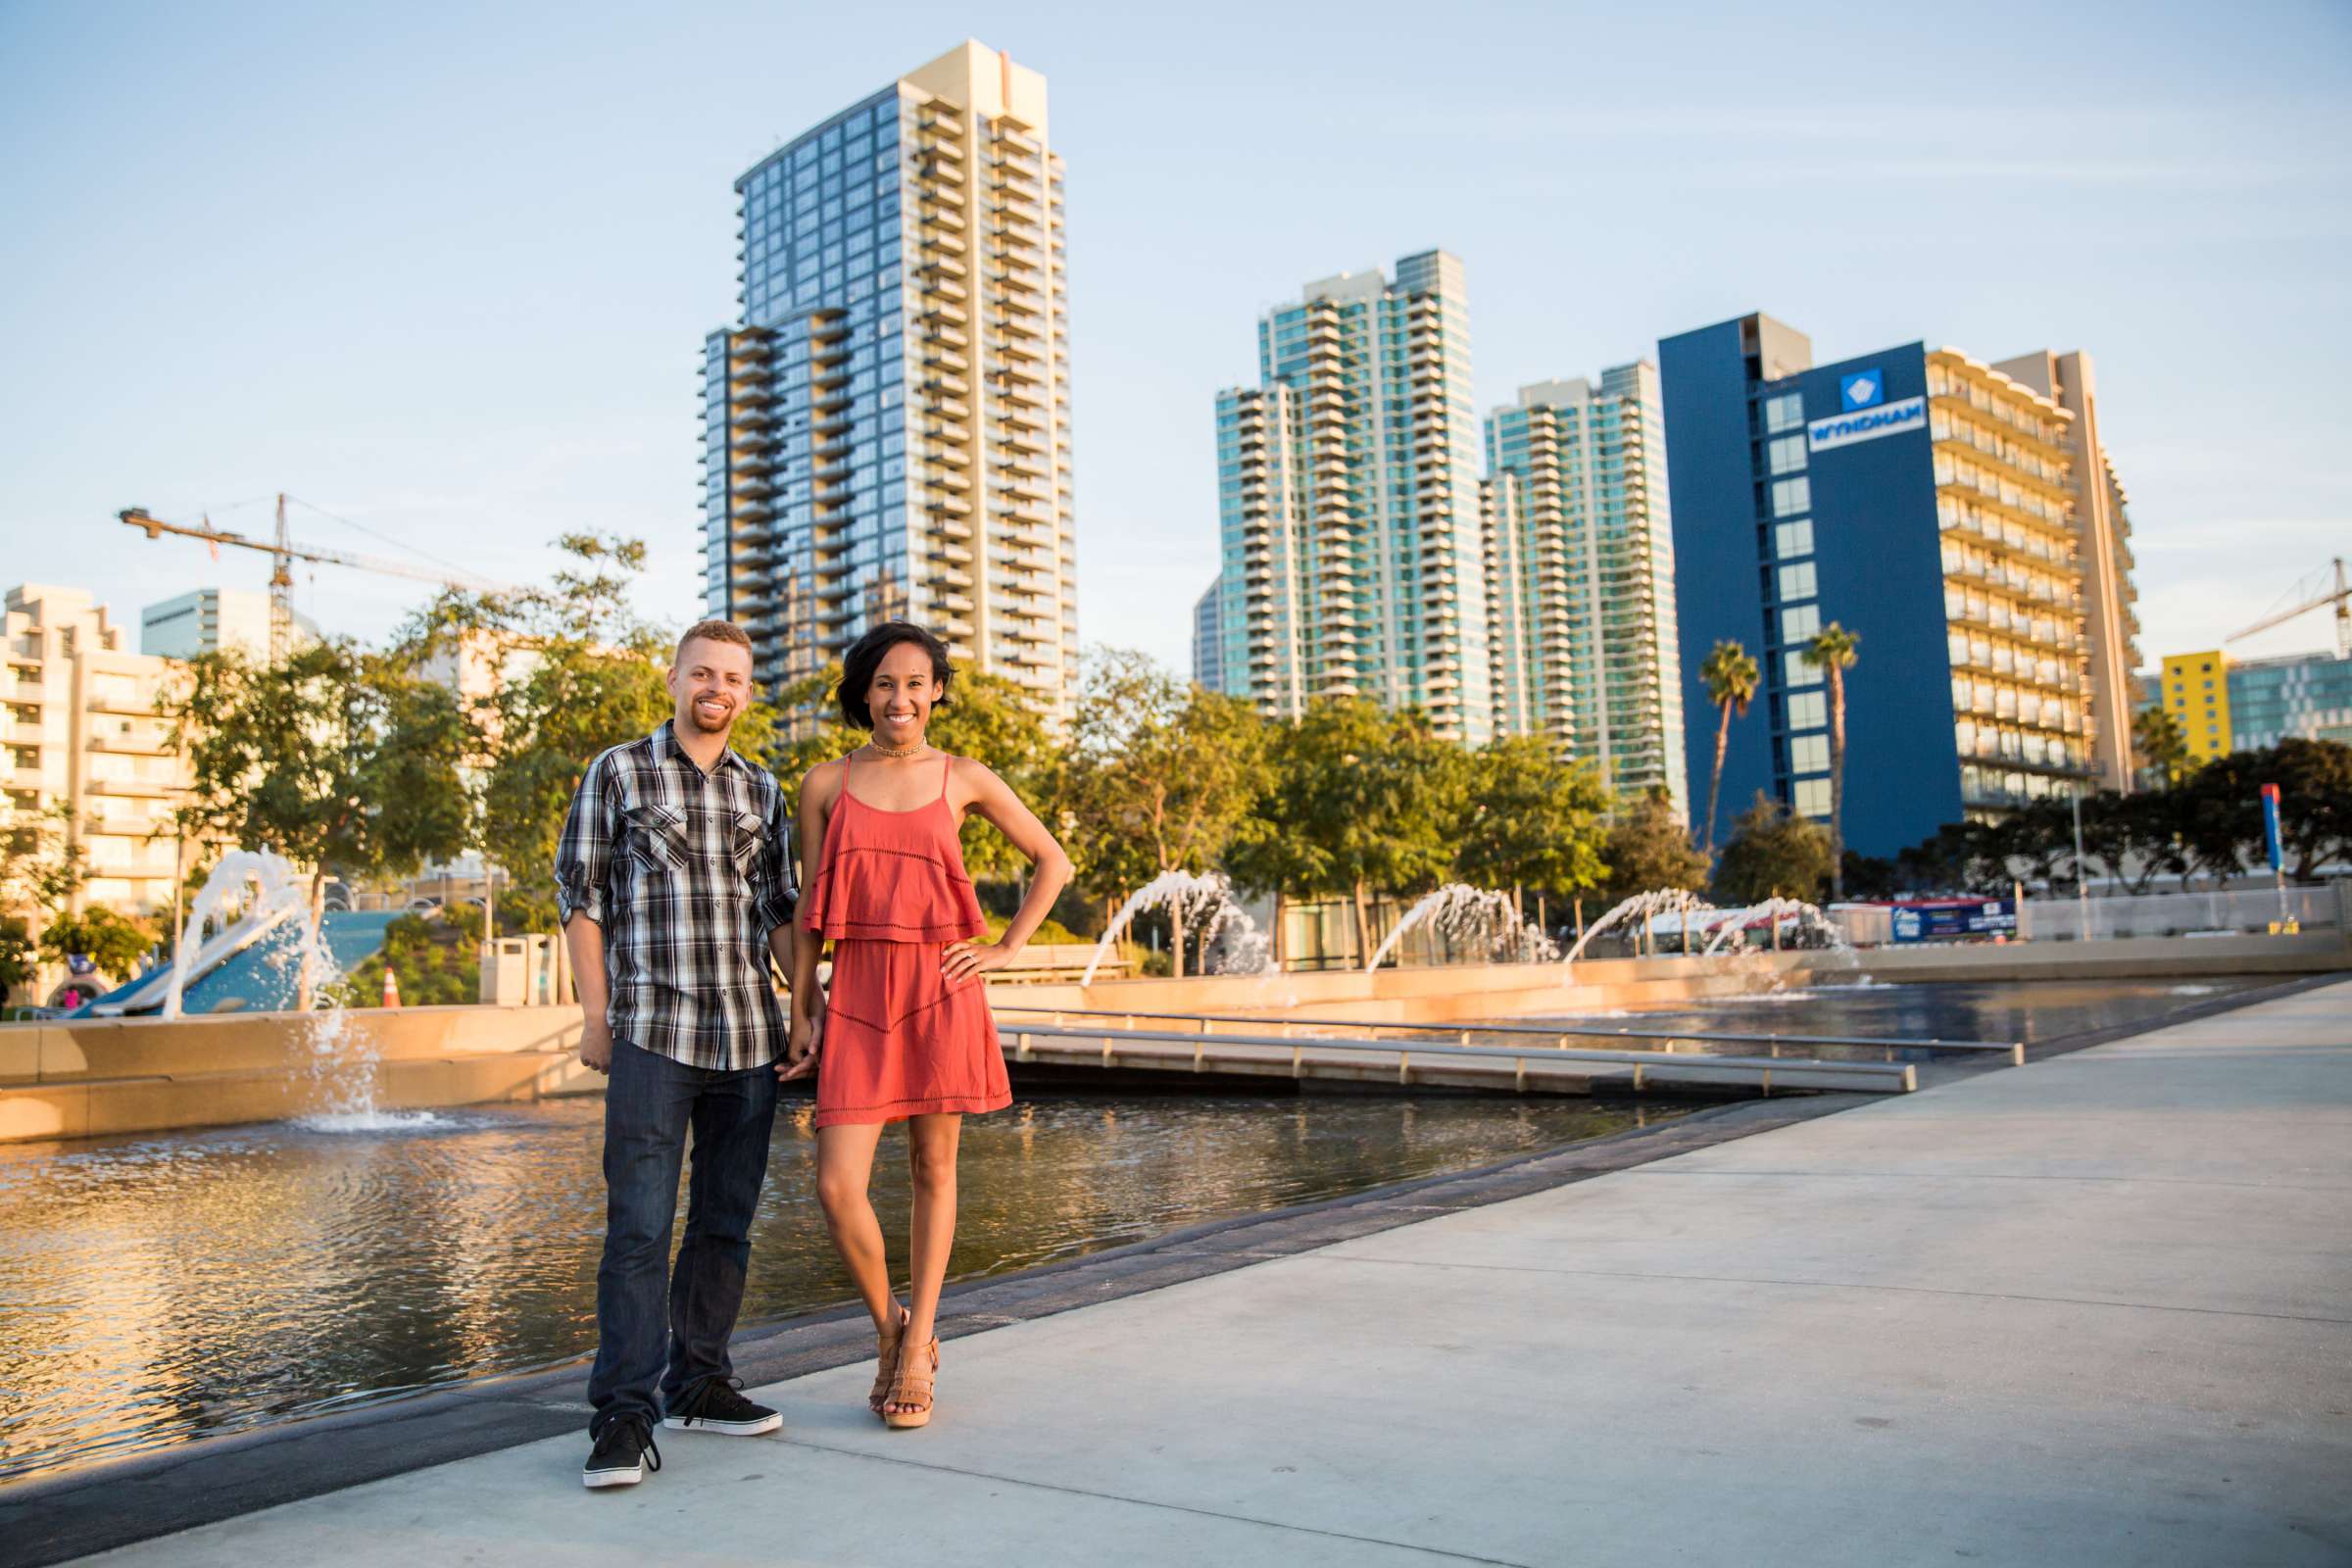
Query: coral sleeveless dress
point(900, 1039)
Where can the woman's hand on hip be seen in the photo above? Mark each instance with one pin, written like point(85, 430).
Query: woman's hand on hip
point(963, 959)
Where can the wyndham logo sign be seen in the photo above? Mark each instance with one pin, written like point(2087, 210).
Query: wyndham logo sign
point(1861, 390)
point(1867, 425)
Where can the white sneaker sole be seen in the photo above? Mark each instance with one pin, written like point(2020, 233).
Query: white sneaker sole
point(732, 1428)
point(628, 1477)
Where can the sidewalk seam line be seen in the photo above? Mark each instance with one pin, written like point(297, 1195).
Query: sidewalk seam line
point(1661, 1170)
point(1150, 1503)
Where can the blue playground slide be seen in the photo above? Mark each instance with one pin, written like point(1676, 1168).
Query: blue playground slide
point(256, 976)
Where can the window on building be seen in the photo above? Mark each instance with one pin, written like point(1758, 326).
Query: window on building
point(1808, 754)
point(1808, 710)
point(1812, 797)
point(1791, 495)
point(1784, 412)
point(1796, 581)
point(1797, 672)
point(1787, 454)
point(1793, 539)
point(1800, 624)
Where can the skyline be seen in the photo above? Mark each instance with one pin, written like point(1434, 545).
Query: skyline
point(292, 278)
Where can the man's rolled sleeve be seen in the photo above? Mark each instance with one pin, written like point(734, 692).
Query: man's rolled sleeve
point(584, 855)
point(779, 894)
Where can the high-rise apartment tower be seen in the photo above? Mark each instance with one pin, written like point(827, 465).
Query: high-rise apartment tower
point(1581, 577)
point(1348, 504)
point(887, 432)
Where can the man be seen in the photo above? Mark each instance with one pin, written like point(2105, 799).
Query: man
point(675, 883)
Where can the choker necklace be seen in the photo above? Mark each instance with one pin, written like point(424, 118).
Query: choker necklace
point(880, 749)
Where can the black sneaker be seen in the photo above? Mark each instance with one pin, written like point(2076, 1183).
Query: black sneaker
point(713, 1405)
point(623, 1452)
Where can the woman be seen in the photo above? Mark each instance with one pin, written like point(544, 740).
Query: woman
point(908, 1034)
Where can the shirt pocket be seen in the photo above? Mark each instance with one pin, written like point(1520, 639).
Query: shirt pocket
point(749, 837)
point(656, 835)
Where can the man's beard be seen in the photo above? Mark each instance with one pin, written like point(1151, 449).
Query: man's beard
point(694, 715)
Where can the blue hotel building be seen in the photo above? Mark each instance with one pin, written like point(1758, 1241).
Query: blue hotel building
point(1927, 502)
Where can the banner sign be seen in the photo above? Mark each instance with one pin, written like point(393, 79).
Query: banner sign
point(1867, 425)
point(1951, 919)
point(2270, 823)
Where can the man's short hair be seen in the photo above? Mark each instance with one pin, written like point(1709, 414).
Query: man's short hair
point(716, 631)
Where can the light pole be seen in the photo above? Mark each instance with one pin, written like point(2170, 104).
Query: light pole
point(2081, 891)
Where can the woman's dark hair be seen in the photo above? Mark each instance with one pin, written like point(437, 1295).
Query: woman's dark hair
point(864, 657)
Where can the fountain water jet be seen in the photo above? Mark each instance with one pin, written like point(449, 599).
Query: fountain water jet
point(1658, 900)
point(1459, 910)
point(1230, 941)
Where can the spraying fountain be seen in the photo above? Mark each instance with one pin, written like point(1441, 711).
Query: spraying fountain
point(1230, 941)
point(1809, 916)
point(1680, 902)
point(1471, 915)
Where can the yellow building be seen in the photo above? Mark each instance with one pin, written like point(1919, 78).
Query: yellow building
point(2196, 693)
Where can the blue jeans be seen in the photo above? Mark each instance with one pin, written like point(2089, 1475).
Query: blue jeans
point(650, 1103)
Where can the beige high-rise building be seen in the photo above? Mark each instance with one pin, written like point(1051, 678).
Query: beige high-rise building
point(2103, 545)
point(81, 726)
point(888, 430)
point(1580, 557)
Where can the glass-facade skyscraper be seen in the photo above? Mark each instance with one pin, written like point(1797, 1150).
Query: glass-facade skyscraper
point(1581, 577)
point(887, 430)
point(1348, 505)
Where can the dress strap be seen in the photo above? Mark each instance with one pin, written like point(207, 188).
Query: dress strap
point(947, 766)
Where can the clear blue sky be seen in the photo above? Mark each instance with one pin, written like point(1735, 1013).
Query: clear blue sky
point(445, 270)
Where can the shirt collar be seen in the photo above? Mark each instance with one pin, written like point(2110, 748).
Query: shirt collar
point(665, 742)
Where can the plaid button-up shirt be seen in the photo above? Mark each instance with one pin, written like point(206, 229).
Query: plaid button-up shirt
point(687, 872)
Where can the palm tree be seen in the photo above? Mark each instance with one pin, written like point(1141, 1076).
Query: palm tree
point(2162, 744)
point(1834, 650)
point(1731, 677)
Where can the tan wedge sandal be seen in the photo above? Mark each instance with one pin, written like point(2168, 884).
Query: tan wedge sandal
point(913, 1385)
point(886, 1363)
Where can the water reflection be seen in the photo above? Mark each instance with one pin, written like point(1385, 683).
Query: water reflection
point(159, 1288)
point(2028, 1010)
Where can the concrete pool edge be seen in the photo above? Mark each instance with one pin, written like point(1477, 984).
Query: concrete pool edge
point(52, 1519)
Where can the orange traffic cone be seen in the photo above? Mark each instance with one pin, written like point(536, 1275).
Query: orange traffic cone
point(391, 988)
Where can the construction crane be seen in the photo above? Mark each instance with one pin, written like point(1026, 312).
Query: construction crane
point(2306, 598)
point(283, 553)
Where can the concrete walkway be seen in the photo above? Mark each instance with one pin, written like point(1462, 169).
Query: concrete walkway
point(2093, 1310)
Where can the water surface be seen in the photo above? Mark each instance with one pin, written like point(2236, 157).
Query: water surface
point(159, 1288)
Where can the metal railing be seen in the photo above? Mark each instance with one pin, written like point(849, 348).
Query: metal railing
point(2015, 1050)
point(1646, 1066)
point(2168, 914)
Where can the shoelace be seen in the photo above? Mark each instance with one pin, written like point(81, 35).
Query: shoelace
point(644, 1429)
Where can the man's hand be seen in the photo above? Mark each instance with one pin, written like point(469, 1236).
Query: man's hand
point(596, 1046)
point(801, 1047)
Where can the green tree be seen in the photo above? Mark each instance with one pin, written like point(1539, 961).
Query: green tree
point(338, 759)
point(2315, 801)
point(2162, 745)
point(41, 870)
point(1731, 678)
point(1648, 849)
point(113, 942)
point(1158, 775)
point(1274, 848)
point(1373, 795)
point(1772, 853)
point(1834, 650)
point(1532, 820)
